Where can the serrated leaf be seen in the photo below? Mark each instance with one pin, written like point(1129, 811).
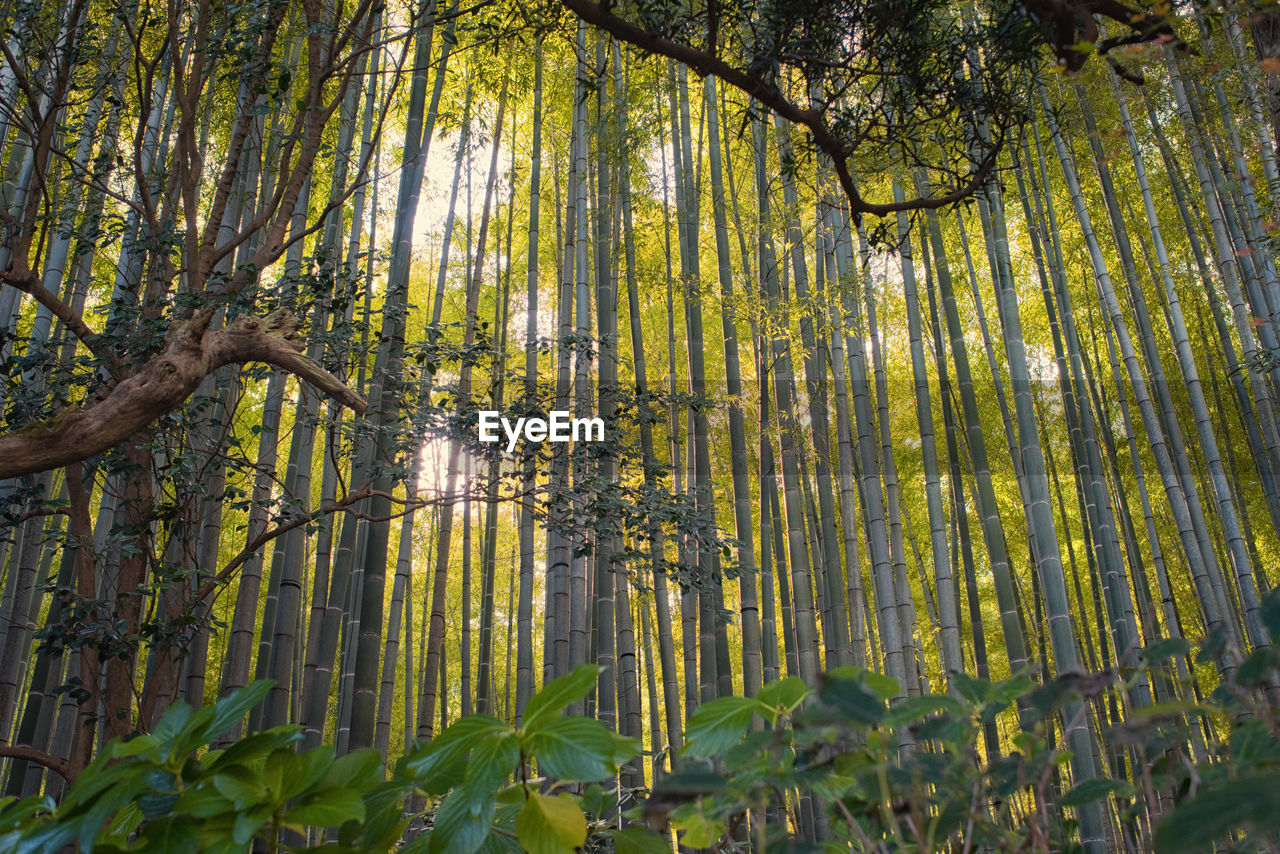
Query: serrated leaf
point(438, 765)
point(974, 690)
point(782, 694)
point(551, 825)
point(239, 785)
point(852, 697)
point(698, 829)
point(330, 808)
point(557, 695)
point(716, 726)
point(574, 749)
point(358, 769)
point(462, 822)
point(492, 762)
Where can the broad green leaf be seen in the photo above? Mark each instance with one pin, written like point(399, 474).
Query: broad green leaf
point(309, 769)
point(559, 694)
point(574, 749)
point(359, 770)
point(633, 840)
point(625, 748)
point(438, 765)
point(976, 691)
point(492, 761)
point(171, 722)
point(330, 808)
point(1260, 664)
point(1271, 612)
point(782, 695)
point(551, 825)
point(1253, 743)
point(276, 770)
point(698, 829)
point(248, 821)
point(852, 697)
point(716, 726)
point(462, 822)
point(240, 785)
point(203, 801)
point(258, 744)
point(231, 709)
point(886, 686)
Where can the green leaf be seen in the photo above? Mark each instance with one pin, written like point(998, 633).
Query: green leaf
point(309, 769)
point(359, 770)
point(492, 762)
point(258, 744)
point(886, 686)
point(462, 822)
point(1255, 669)
point(1249, 801)
point(438, 765)
point(1096, 789)
point(574, 749)
point(278, 767)
point(551, 825)
point(625, 748)
point(1271, 613)
point(559, 694)
point(203, 801)
point(783, 695)
point(1166, 648)
point(230, 710)
point(170, 725)
point(247, 823)
point(699, 829)
point(239, 785)
point(633, 840)
point(330, 808)
point(915, 708)
point(716, 726)
point(513, 794)
point(974, 690)
point(1254, 743)
point(851, 696)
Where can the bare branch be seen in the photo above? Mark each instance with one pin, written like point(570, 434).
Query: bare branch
point(29, 283)
point(61, 767)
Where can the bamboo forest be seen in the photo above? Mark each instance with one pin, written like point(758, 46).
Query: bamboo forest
point(639, 426)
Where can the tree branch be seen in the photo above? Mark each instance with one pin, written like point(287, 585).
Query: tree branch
point(29, 283)
point(61, 767)
point(703, 63)
point(161, 385)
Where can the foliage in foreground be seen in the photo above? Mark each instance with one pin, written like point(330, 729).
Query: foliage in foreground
point(843, 762)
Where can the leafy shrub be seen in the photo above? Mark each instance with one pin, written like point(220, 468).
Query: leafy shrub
point(837, 762)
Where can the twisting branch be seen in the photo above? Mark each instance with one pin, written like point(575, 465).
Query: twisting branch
point(703, 64)
point(161, 385)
